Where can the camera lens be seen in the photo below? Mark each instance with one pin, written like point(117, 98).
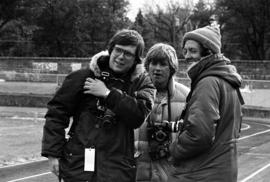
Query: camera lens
point(108, 119)
point(107, 124)
point(161, 136)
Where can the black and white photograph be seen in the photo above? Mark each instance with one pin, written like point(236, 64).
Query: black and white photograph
point(134, 90)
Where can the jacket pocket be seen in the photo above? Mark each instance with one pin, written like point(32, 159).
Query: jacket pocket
point(72, 167)
point(121, 168)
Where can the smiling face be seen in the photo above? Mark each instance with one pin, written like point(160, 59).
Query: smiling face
point(159, 72)
point(192, 52)
point(122, 58)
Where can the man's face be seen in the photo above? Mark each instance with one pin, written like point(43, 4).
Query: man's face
point(122, 58)
point(192, 52)
point(159, 72)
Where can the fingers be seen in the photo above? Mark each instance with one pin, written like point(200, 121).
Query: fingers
point(88, 84)
point(95, 87)
point(90, 79)
point(54, 165)
point(55, 170)
point(87, 92)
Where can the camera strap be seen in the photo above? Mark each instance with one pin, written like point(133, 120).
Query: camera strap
point(148, 120)
point(169, 104)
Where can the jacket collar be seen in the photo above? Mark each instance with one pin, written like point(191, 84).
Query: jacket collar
point(205, 63)
point(96, 66)
point(172, 90)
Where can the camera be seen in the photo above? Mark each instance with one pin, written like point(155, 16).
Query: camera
point(106, 116)
point(108, 119)
point(159, 137)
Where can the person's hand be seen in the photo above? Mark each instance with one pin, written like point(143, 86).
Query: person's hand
point(96, 87)
point(54, 165)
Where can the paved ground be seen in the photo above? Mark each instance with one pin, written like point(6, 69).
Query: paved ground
point(18, 124)
point(20, 134)
point(254, 158)
point(27, 87)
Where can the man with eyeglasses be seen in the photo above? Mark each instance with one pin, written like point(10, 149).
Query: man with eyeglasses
point(107, 102)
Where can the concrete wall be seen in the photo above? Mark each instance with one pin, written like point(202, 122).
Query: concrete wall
point(249, 69)
point(54, 70)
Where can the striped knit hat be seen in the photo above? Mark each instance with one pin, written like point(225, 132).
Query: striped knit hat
point(208, 36)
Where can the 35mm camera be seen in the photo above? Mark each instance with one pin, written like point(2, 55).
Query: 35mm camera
point(159, 137)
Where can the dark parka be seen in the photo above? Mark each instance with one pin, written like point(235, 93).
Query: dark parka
point(205, 150)
point(131, 99)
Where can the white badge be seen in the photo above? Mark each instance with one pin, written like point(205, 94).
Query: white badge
point(89, 159)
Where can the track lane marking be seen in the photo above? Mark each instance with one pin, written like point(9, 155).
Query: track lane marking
point(262, 168)
point(255, 173)
point(247, 126)
point(25, 163)
point(258, 154)
point(242, 138)
point(254, 134)
point(28, 177)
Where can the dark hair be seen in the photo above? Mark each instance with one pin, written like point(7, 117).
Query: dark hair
point(128, 37)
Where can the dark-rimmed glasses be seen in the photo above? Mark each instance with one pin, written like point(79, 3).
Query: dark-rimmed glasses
point(127, 54)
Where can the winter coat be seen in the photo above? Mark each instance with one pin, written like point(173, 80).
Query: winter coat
point(205, 149)
point(130, 99)
point(157, 171)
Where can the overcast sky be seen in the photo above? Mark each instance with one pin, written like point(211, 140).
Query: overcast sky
point(136, 4)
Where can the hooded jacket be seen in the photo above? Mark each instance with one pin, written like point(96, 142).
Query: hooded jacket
point(205, 149)
point(130, 100)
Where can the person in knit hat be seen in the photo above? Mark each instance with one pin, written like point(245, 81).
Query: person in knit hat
point(205, 148)
point(209, 37)
point(161, 63)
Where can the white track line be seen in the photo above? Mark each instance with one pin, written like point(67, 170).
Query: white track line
point(255, 173)
point(246, 127)
point(258, 154)
point(242, 138)
point(28, 177)
point(248, 136)
point(23, 163)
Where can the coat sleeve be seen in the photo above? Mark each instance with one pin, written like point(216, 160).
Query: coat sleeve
point(199, 124)
point(133, 109)
point(60, 108)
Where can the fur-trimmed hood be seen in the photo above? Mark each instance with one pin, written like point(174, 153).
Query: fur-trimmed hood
point(94, 66)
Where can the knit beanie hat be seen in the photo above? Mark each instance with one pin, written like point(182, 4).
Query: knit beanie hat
point(208, 36)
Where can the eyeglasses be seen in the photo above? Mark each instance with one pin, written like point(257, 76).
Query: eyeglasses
point(126, 54)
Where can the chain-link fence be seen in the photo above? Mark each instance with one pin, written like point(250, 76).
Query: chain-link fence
point(42, 76)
